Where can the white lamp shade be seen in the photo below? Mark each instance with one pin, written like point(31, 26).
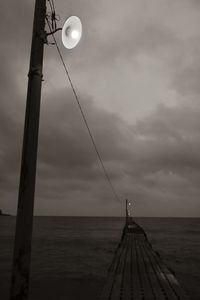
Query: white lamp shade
point(71, 32)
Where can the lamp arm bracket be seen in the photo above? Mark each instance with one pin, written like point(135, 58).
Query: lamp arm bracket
point(52, 32)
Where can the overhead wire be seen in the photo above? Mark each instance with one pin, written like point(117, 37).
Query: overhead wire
point(107, 177)
point(52, 2)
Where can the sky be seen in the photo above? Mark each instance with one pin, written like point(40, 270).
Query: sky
point(136, 71)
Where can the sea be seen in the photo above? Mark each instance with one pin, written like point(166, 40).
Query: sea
point(71, 255)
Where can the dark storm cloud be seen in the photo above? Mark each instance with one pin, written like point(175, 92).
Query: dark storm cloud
point(151, 158)
point(64, 141)
point(165, 162)
point(186, 80)
point(171, 136)
point(160, 159)
point(68, 164)
point(129, 42)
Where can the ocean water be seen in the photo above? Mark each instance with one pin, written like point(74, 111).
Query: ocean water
point(71, 255)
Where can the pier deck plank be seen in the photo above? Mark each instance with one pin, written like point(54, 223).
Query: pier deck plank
point(138, 273)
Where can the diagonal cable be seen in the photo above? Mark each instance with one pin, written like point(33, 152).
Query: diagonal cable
point(84, 117)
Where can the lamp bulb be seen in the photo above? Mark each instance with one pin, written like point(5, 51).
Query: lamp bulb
point(74, 34)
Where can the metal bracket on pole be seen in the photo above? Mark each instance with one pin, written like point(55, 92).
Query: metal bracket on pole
point(54, 31)
point(43, 36)
point(35, 71)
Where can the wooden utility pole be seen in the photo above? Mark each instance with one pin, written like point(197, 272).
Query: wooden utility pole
point(23, 234)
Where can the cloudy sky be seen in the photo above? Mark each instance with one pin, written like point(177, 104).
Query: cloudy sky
point(136, 71)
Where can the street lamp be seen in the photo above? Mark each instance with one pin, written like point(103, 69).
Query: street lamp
point(71, 35)
point(71, 32)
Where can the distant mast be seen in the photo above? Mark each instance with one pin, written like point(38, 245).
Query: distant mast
point(127, 211)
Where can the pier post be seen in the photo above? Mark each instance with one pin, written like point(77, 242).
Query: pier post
point(23, 235)
point(126, 212)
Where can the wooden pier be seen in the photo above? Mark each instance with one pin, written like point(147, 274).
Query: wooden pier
point(137, 271)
